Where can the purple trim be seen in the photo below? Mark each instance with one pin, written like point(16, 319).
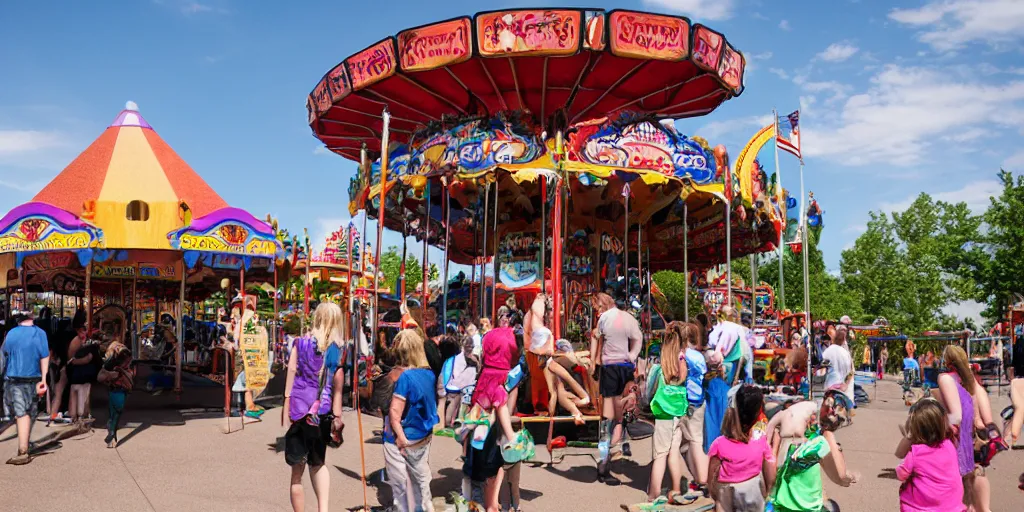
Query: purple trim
point(63, 217)
point(130, 118)
point(229, 214)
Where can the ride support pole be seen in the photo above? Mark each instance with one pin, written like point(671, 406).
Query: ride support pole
point(556, 263)
point(425, 282)
point(386, 116)
point(494, 264)
point(686, 262)
point(241, 325)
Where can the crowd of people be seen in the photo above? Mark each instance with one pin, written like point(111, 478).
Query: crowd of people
point(716, 433)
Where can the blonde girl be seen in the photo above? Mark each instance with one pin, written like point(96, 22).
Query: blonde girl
point(312, 398)
point(669, 405)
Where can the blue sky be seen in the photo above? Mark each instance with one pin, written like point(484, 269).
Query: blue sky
point(909, 96)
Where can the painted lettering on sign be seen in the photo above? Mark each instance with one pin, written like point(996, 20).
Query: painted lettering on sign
point(372, 64)
point(707, 47)
point(528, 32)
point(338, 82)
point(53, 242)
point(435, 46)
point(594, 39)
point(47, 261)
point(322, 97)
point(730, 70)
point(255, 358)
point(649, 36)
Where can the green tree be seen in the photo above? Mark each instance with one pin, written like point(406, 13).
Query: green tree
point(673, 285)
point(391, 264)
point(995, 264)
point(908, 265)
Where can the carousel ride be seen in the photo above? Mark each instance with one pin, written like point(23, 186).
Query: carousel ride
point(540, 144)
point(133, 232)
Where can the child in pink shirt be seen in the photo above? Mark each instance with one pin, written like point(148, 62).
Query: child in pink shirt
point(929, 485)
point(741, 467)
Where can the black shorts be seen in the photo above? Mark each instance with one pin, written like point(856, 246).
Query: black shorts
point(303, 443)
point(614, 379)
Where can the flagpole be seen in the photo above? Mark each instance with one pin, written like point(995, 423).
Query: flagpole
point(781, 199)
point(807, 279)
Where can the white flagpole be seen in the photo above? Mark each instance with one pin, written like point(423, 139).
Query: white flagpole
point(807, 280)
point(781, 199)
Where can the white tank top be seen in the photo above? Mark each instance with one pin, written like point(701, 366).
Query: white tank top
point(539, 338)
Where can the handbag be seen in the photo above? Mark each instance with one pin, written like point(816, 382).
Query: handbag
point(325, 422)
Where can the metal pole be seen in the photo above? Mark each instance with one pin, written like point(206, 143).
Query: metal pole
point(753, 290)
point(241, 326)
point(625, 241)
point(686, 261)
point(650, 304)
point(494, 264)
point(781, 199)
point(806, 249)
point(135, 313)
point(543, 232)
point(386, 116)
point(556, 261)
point(179, 357)
point(447, 243)
point(352, 323)
point(483, 259)
point(88, 298)
point(728, 252)
point(425, 282)
point(405, 255)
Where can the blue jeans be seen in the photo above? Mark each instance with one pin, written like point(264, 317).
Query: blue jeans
point(116, 399)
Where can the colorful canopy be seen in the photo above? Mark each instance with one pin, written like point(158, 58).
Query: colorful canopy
point(557, 66)
point(130, 184)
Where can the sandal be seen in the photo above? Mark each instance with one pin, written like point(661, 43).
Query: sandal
point(20, 460)
point(678, 498)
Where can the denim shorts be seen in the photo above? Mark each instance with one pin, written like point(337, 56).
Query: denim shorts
point(20, 399)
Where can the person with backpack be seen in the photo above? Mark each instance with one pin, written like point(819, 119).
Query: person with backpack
point(669, 406)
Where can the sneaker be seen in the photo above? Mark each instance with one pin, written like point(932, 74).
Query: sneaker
point(626, 451)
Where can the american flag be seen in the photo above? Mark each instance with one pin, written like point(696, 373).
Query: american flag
point(790, 143)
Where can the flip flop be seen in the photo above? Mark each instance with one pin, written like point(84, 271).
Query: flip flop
point(677, 498)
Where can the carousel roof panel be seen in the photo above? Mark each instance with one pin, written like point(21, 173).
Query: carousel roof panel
point(559, 66)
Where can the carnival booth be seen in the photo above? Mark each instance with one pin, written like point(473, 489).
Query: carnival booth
point(538, 146)
point(130, 228)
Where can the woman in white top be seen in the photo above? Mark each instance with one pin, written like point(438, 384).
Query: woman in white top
point(542, 343)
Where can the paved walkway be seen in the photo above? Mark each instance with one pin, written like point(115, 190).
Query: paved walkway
point(196, 466)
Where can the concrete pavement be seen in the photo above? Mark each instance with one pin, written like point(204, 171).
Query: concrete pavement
point(167, 466)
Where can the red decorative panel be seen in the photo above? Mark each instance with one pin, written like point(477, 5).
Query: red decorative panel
point(649, 36)
point(551, 32)
point(435, 46)
point(707, 47)
point(372, 64)
point(730, 70)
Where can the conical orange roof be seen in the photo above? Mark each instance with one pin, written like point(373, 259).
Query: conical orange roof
point(132, 185)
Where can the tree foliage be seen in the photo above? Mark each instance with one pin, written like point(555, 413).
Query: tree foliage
point(673, 285)
point(391, 264)
point(995, 264)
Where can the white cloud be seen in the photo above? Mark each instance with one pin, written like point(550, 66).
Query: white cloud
point(976, 194)
point(950, 24)
point(22, 187)
point(753, 60)
point(26, 141)
point(905, 111)
point(1014, 162)
point(784, 25)
point(781, 73)
point(321, 150)
point(838, 52)
point(706, 9)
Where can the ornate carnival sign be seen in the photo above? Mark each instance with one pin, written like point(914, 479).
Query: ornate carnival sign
point(537, 32)
point(629, 143)
point(227, 231)
point(34, 227)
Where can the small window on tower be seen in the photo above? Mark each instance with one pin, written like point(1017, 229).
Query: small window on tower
point(137, 210)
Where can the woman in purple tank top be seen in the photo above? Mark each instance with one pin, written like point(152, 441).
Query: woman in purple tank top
point(313, 392)
point(957, 389)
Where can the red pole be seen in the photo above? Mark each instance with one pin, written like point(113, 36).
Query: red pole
point(241, 326)
point(556, 261)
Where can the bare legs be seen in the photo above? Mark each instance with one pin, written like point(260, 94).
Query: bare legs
point(505, 418)
point(513, 486)
point(298, 496)
point(321, 480)
point(566, 377)
point(675, 468)
point(1017, 421)
point(492, 490)
point(24, 424)
point(57, 393)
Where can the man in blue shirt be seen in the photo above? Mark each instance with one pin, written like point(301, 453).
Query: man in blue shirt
point(26, 356)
